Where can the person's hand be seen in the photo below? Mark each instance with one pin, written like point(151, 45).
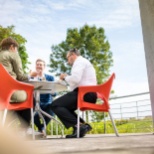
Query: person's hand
point(62, 76)
point(33, 73)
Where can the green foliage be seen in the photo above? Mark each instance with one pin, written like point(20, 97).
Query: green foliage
point(123, 126)
point(92, 44)
point(9, 32)
point(97, 116)
point(121, 122)
point(129, 126)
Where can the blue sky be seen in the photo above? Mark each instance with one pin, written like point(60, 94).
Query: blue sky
point(45, 22)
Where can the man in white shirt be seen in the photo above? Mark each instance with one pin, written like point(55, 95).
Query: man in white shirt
point(82, 74)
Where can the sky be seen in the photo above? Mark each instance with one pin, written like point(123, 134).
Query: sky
point(45, 22)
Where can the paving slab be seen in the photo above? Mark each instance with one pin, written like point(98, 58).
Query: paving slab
point(106, 144)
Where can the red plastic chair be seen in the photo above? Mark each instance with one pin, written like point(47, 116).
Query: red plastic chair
point(103, 92)
point(8, 85)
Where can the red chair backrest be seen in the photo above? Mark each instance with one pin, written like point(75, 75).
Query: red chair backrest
point(103, 92)
point(8, 85)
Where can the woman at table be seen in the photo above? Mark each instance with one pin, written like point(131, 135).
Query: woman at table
point(11, 60)
point(45, 99)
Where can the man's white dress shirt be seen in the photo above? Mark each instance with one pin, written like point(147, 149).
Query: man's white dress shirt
point(82, 74)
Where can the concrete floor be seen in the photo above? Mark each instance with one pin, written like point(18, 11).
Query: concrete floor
point(106, 144)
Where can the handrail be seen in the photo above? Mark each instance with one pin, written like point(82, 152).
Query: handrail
point(129, 95)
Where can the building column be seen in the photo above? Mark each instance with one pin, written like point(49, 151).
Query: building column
point(147, 21)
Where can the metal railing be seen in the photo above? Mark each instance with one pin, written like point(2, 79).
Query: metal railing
point(132, 114)
point(131, 111)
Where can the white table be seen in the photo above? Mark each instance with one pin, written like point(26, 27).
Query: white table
point(43, 87)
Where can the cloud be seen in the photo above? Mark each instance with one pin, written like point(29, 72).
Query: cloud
point(119, 17)
point(9, 12)
point(100, 13)
point(129, 61)
point(44, 23)
point(122, 88)
point(67, 4)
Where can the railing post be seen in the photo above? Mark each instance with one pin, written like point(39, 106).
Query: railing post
point(104, 123)
point(137, 109)
point(121, 111)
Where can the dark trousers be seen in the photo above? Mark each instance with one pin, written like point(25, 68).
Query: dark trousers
point(24, 117)
point(46, 108)
point(64, 107)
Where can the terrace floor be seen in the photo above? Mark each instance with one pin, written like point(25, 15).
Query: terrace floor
point(98, 144)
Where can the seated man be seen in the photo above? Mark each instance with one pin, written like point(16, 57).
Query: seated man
point(82, 74)
point(45, 99)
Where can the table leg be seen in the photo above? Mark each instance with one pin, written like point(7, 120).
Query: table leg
point(38, 110)
point(52, 118)
point(41, 113)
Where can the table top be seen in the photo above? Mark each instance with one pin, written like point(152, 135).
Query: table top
point(54, 86)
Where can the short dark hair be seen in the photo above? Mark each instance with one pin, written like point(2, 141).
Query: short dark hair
point(7, 42)
point(74, 50)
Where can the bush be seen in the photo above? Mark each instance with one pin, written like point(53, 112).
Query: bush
point(123, 126)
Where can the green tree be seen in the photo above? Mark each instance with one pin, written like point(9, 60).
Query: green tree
point(10, 32)
point(93, 45)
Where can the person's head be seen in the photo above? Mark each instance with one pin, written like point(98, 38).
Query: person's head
point(72, 55)
point(9, 44)
point(40, 65)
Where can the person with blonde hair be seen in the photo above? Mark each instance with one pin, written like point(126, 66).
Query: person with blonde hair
point(45, 99)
